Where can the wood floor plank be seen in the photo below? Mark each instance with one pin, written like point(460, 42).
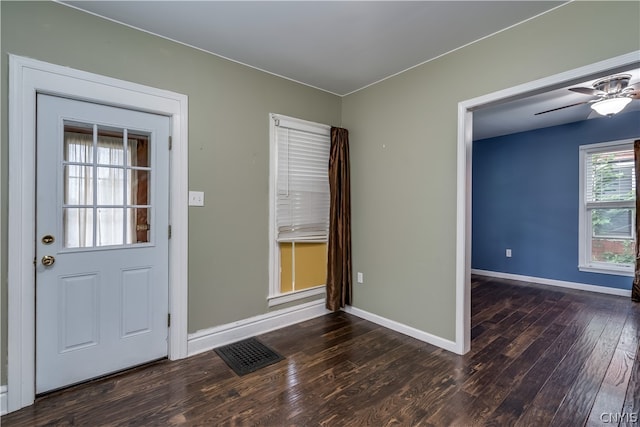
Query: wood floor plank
point(631, 408)
point(582, 394)
point(546, 348)
point(538, 406)
point(616, 381)
point(537, 352)
point(391, 367)
point(520, 342)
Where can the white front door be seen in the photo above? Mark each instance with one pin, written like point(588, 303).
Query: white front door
point(102, 203)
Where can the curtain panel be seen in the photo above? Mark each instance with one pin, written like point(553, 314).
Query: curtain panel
point(635, 290)
point(339, 287)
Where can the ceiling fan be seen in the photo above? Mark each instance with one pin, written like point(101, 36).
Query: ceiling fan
point(612, 94)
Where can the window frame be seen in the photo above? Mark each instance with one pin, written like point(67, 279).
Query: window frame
point(275, 297)
point(585, 225)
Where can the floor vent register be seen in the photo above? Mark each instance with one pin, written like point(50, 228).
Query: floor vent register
point(247, 356)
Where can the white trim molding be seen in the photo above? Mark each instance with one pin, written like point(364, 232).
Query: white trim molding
point(554, 282)
point(3, 399)
point(28, 77)
point(294, 296)
point(208, 339)
point(463, 172)
point(403, 329)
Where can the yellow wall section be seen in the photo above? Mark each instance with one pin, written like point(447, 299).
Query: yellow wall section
point(310, 265)
point(286, 264)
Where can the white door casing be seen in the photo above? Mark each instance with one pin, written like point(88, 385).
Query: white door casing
point(102, 221)
point(27, 77)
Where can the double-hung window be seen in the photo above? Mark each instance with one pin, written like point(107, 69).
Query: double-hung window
point(299, 208)
point(607, 199)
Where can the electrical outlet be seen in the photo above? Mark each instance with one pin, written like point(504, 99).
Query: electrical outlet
point(508, 253)
point(196, 198)
point(360, 277)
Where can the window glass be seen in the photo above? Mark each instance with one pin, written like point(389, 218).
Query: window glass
point(608, 201)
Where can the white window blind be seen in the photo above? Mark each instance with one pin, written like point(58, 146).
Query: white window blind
point(610, 177)
point(302, 182)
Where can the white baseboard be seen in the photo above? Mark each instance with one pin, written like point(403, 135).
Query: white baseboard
point(208, 339)
point(553, 282)
point(3, 399)
point(403, 329)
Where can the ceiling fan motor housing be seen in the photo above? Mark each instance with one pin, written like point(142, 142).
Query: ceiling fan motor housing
point(612, 84)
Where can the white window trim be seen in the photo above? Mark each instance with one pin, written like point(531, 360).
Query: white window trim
point(275, 297)
point(584, 225)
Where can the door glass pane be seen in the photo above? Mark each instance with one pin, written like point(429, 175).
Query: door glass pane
point(110, 147)
point(78, 185)
point(78, 143)
point(109, 226)
point(138, 225)
point(110, 186)
point(138, 188)
point(140, 153)
point(78, 227)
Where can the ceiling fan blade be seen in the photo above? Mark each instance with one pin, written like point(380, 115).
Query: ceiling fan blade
point(587, 91)
point(560, 108)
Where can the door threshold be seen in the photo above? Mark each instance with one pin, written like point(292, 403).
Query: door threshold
point(106, 377)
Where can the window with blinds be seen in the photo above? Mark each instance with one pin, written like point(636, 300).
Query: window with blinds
point(299, 205)
point(608, 206)
point(302, 200)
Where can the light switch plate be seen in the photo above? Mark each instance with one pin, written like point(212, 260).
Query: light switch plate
point(196, 198)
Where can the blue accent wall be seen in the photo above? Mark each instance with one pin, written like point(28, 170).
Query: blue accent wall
point(526, 198)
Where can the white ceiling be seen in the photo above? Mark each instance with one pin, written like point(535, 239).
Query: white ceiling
point(519, 115)
point(341, 46)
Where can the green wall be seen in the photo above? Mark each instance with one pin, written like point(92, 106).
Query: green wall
point(403, 148)
point(228, 143)
point(403, 139)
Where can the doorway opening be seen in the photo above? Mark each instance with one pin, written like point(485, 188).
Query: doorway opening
point(464, 169)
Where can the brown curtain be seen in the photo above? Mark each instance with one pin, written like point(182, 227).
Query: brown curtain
point(339, 252)
point(635, 291)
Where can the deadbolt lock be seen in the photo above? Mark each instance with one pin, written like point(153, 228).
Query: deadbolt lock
point(48, 239)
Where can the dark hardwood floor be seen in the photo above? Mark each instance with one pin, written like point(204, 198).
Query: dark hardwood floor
point(540, 356)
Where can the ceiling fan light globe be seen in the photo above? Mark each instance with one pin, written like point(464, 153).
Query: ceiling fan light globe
point(611, 106)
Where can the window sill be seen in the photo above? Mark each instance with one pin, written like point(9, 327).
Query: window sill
point(294, 296)
point(607, 269)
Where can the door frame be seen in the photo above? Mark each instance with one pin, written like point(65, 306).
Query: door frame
point(27, 77)
point(464, 185)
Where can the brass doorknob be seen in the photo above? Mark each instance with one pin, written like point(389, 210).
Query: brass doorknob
point(48, 260)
